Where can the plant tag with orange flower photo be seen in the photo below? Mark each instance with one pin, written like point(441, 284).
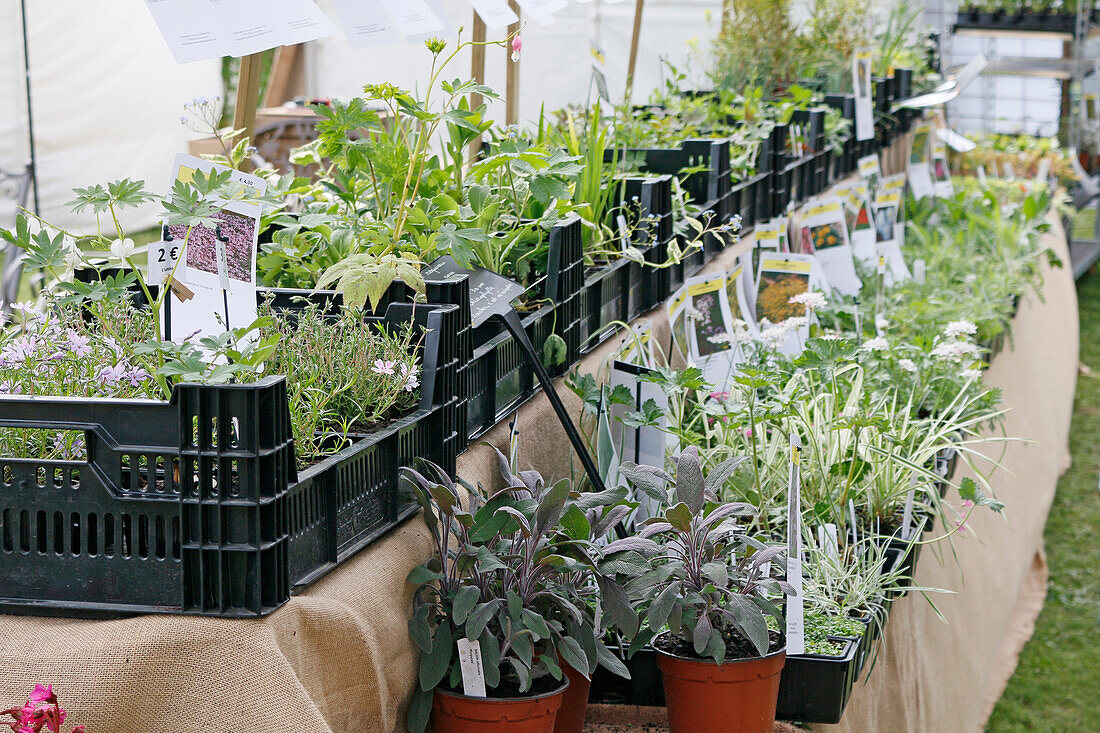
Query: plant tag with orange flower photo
point(824, 233)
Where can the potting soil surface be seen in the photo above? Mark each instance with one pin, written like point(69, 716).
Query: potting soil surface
point(637, 719)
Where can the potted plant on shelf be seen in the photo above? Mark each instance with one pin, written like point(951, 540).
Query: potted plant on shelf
point(514, 579)
point(711, 588)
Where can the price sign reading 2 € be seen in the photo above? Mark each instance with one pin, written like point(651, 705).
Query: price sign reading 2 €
point(162, 260)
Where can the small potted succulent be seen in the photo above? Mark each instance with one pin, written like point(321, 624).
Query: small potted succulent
point(711, 588)
point(515, 577)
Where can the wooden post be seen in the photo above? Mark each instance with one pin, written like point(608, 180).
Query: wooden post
point(639, 5)
point(285, 81)
point(477, 72)
point(727, 12)
point(248, 96)
point(511, 87)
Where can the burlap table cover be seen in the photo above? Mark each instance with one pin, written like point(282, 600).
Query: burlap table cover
point(337, 658)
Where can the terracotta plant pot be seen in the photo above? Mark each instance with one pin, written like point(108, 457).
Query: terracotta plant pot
point(574, 704)
point(735, 697)
point(455, 713)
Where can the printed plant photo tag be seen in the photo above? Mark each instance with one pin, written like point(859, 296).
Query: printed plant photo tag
point(861, 84)
point(783, 276)
point(861, 224)
point(870, 171)
point(218, 264)
point(824, 233)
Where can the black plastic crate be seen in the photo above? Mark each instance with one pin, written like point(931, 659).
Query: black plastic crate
point(623, 289)
point(709, 187)
point(816, 689)
point(644, 688)
point(196, 505)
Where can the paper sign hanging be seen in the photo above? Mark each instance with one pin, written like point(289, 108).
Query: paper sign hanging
point(542, 10)
point(413, 18)
point(861, 84)
point(494, 13)
point(196, 31)
point(366, 24)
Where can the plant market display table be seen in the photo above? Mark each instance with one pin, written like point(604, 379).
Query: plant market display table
point(339, 658)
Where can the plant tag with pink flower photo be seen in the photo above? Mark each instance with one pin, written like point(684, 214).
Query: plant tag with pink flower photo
point(217, 265)
point(473, 669)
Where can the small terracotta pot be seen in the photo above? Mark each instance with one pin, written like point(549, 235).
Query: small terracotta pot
point(734, 697)
point(574, 704)
point(455, 713)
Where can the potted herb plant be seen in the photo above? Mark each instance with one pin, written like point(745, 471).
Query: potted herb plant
point(711, 587)
point(515, 576)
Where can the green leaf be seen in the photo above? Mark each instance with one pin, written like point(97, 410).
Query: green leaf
point(419, 629)
point(750, 619)
point(465, 598)
point(434, 665)
point(571, 651)
point(479, 618)
point(575, 523)
point(611, 663)
point(690, 485)
point(420, 710)
point(554, 350)
point(661, 606)
point(679, 516)
point(700, 637)
point(422, 574)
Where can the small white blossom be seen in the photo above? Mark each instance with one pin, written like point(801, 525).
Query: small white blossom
point(972, 373)
point(907, 365)
point(876, 344)
point(955, 350)
point(881, 323)
point(813, 301)
point(958, 328)
point(123, 248)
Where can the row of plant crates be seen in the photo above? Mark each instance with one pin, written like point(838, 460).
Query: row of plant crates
point(196, 505)
point(1064, 22)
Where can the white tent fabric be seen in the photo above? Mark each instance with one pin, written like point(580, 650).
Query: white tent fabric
point(108, 95)
point(555, 64)
point(107, 99)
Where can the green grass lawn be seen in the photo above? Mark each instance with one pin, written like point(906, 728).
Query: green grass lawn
point(1057, 685)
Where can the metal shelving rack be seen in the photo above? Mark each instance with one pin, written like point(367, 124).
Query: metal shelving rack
point(1071, 70)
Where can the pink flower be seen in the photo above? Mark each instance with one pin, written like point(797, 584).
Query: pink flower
point(720, 396)
point(78, 343)
point(383, 367)
point(42, 693)
point(517, 46)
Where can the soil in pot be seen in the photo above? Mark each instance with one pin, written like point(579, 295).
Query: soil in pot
point(453, 712)
point(738, 696)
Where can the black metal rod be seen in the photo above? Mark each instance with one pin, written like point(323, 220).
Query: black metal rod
point(30, 113)
point(515, 327)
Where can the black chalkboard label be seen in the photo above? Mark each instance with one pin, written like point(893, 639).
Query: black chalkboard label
point(490, 294)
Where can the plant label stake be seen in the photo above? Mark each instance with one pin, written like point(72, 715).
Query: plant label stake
point(831, 542)
point(919, 270)
point(907, 513)
point(491, 296)
point(852, 514)
point(220, 241)
point(473, 670)
point(796, 638)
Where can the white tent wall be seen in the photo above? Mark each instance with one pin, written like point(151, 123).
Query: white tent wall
point(107, 99)
point(555, 65)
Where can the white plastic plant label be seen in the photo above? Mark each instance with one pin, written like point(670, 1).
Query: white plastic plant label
point(861, 83)
point(795, 617)
point(919, 270)
point(907, 512)
point(473, 669)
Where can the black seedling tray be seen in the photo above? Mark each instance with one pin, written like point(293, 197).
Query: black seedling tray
point(816, 689)
point(196, 505)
